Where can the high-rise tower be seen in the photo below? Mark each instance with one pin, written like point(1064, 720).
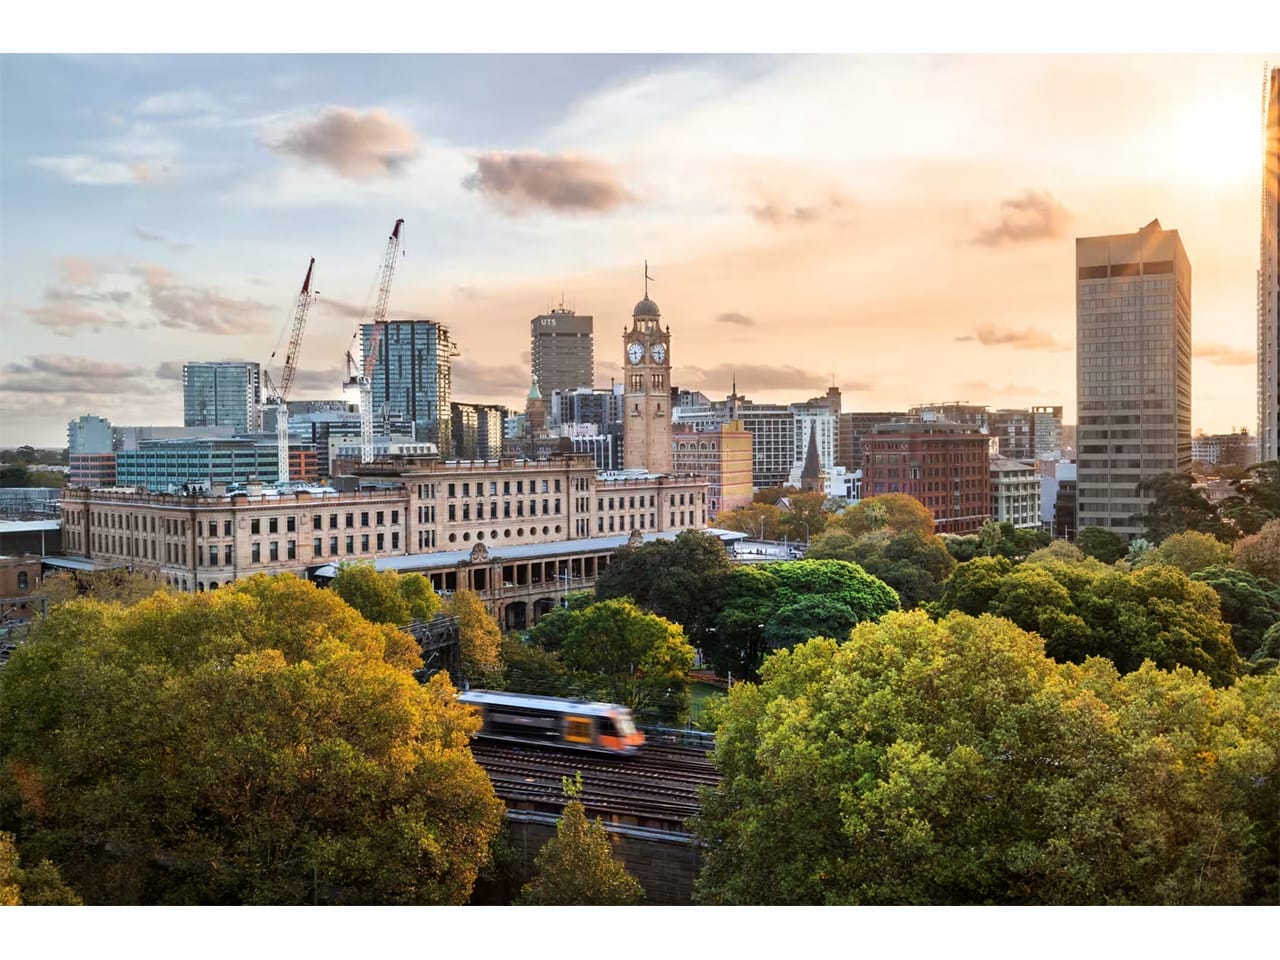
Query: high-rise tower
point(411, 377)
point(1269, 277)
point(646, 443)
point(1133, 370)
point(561, 351)
point(222, 394)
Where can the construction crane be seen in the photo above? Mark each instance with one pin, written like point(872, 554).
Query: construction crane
point(362, 376)
point(276, 396)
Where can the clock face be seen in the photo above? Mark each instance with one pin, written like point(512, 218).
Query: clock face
point(658, 352)
point(635, 353)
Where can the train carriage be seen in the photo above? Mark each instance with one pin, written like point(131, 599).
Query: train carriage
point(578, 724)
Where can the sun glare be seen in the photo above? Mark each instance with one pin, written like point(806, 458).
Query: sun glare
point(1216, 138)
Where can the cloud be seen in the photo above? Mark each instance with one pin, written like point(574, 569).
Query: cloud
point(169, 370)
point(564, 183)
point(482, 381)
point(1032, 215)
point(737, 319)
point(138, 296)
point(190, 100)
point(61, 374)
point(1222, 355)
point(330, 380)
point(776, 212)
point(151, 236)
point(201, 309)
point(341, 308)
point(750, 377)
point(353, 145)
point(1028, 339)
point(94, 172)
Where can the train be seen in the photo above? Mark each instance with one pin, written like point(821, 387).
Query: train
point(577, 724)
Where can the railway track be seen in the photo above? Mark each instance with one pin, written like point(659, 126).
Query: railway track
point(657, 787)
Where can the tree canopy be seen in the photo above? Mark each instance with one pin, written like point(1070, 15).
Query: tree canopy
point(576, 867)
point(261, 744)
point(1089, 609)
point(1101, 544)
point(1188, 551)
point(109, 586)
point(38, 886)
point(914, 564)
point(952, 762)
point(386, 597)
point(1177, 506)
point(1259, 554)
point(479, 636)
point(893, 511)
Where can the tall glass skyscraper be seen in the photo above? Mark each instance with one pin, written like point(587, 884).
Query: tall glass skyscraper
point(222, 394)
point(1269, 278)
point(1133, 370)
point(411, 376)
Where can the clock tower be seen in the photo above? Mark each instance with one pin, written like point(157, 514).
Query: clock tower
point(646, 430)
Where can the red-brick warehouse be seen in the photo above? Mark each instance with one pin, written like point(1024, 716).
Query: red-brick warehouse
point(943, 465)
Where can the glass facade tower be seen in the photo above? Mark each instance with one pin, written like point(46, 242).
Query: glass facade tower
point(411, 377)
point(221, 394)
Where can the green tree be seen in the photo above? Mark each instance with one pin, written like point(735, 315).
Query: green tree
point(973, 585)
point(1177, 506)
point(39, 886)
point(681, 579)
point(1189, 552)
point(961, 548)
point(866, 597)
point(479, 637)
point(913, 564)
point(638, 659)
point(803, 515)
point(896, 511)
point(261, 744)
point(576, 867)
point(375, 595)
point(528, 668)
point(1058, 550)
point(1249, 604)
point(1101, 544)
point(1259, 554)
point(15, 475)
point(737, 644)
point(953, 762)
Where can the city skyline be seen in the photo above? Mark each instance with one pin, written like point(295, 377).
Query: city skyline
point(921, 250)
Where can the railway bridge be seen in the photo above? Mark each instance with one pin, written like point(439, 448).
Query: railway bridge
point(644, 802)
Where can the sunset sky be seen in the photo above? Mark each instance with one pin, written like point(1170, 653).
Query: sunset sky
point(904, 224)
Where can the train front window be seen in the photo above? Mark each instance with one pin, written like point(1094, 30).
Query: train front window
point(625, 726)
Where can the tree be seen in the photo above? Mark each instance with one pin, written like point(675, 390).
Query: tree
point(680, 579)
point(1189, 552)
point(897, 511)
point(912, 563)
point(386, 597)
point(528, 668)
point(1058, 550)
point(1177, 506)
point(1249, 604)
point(260, 744)
point(803, 515)
point(107, 586)
point(576, 867)
point(479, 636)
point(638, 659)
point(737, 644)
point(974, 585)
point(952, 762)
point(1259, 554)
point(866, 597)
point(1101, 544)
point(755, 519)
point(39, 886)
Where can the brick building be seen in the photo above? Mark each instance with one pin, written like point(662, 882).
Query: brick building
point(723, 457)
point(943, 465)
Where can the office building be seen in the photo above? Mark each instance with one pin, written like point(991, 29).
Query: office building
point(1269, 279)
point(89, 434)
point(477, 430)
point(1133, 371)
point(723, 456)
point(1015, 493)
point(1014, 432)
point(943, 465)
point(412, 376)
point(853, 426)
point(1224, 450)
point(1046, 430)
point(561, 350)
point(222, 394)
point(91, 470)
point(162, 465)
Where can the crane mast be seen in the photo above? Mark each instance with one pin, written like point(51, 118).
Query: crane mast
point(278, 395)
point(363, 375)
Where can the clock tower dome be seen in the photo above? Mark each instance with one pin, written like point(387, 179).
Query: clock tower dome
point(646, 430)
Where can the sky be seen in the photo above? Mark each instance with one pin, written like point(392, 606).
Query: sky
point(900, 225)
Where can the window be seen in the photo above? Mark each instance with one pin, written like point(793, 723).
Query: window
point(380, 517)
point(351, 544)
point(317, 522)
point(255, 525)
point(273, 552)
point(213, 556)
point(199, 528)
point(364, 518)
point(333, 546)
point(351, 520)
point(333, 521)
point(226, 555)
point(23, 580)
point(291, 524)
point(395, 515)
point(317, 546)
point(395, 539)
point(256, 553)
point(381, 542)
point(452, 490)
point(364, 543)
point(273, 525)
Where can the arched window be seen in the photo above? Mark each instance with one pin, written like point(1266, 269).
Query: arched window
point(23, 581)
